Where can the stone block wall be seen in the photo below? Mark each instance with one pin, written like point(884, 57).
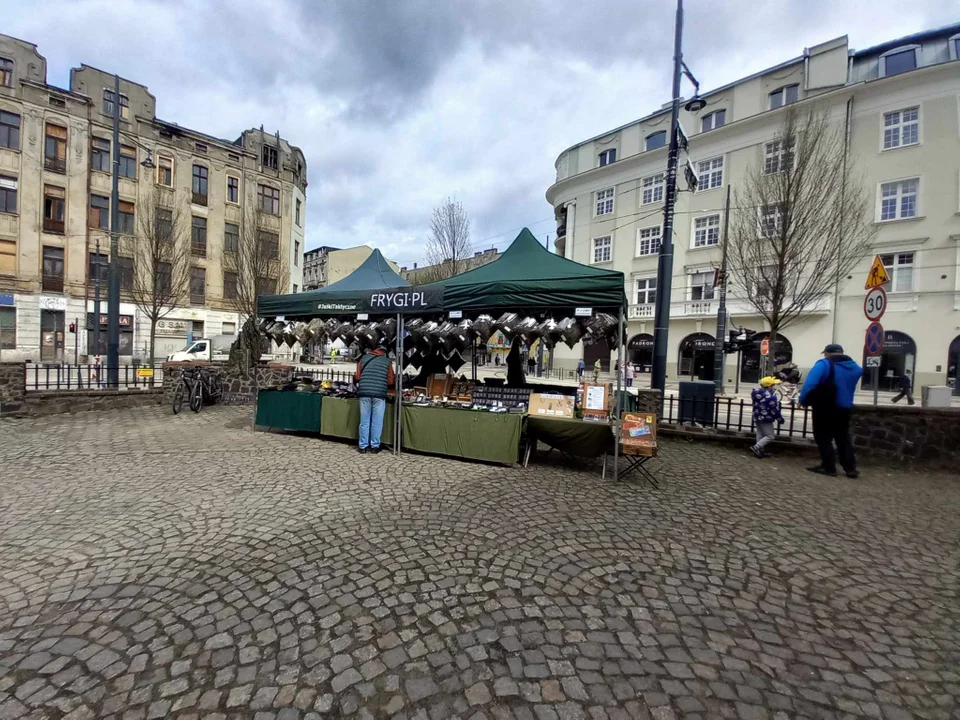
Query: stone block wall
point(238, 388)
point(907, 435)
point(13, 379)
point(648, 401)
point(74, 401)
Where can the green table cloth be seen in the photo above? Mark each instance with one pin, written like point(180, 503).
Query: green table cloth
point(492, 437)
point(582, 438)
point(340, 417)
point(289, 410)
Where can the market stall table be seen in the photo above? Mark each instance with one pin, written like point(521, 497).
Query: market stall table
point(579, 438)
point(289, 410)
point(340, 417)
point(491, 437)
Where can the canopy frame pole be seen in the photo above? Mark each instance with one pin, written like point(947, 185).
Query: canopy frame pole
point(618, 409)
point(398, 410)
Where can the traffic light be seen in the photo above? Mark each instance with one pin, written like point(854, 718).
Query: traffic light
point(739, 340)
point(73, 327)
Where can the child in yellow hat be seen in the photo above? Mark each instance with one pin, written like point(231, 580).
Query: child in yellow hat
point(766, 412)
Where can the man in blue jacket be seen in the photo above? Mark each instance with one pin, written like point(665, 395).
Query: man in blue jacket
point(828, 392)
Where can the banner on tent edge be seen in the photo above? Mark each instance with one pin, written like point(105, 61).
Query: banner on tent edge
point(389, 301)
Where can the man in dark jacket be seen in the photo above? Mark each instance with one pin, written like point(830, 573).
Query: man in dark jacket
point(373, 376)
point(906, 388)
point(829, 391)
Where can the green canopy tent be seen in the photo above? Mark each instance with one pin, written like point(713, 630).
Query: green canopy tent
point(527, 276)
point(374, 273)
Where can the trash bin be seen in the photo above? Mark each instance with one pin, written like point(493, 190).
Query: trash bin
point(696, 402)
point(935, 396)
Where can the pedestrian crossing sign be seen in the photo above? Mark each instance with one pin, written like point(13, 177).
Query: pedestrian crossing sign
point(877, 276)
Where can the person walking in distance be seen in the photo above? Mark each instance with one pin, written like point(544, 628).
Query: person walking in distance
point(766, 412)
point(906, 388)
point(828, 392)
point(373, 376)
point(580, 367)
point(596, 371)
point(628, 374)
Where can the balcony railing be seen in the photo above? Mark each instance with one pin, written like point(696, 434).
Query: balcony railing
point(199, 198)
point(636, 312)
point(57, 165)
point(698, 307)
point(196, 299)
point(53, 226)
point(53, 283)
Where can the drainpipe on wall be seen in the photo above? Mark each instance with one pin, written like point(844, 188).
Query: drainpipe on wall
point(836, 285)
point(86, 242)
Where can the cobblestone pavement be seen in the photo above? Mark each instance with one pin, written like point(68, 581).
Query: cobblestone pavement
point(155, 566)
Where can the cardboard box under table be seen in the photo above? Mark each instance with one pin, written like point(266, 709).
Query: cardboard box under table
point(491, 437)
point(340, 417)
point(289, 410)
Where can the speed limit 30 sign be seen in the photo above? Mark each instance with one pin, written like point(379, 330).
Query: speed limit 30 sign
point(875, 304)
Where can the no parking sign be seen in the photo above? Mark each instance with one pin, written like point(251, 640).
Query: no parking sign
point(873, 342)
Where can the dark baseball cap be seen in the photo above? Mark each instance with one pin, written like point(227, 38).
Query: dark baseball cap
point(833, 348)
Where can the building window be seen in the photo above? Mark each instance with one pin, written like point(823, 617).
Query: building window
point(54, 208)
point(200, 147)
point(229, 328)
point(295, 287)
point(296, 253)
point(128, 162)
point(266, 286)
point(233, 189)
point(777, 157)
point(602, 249)
point(710, 174)
point(198, 286)
point(901, 127)
point(898, 61)
point(648, 241)
point(231, 237)
point(52, 269)
point(229, 286)
point(6, 72)
point(784, 96)
point(652, 189)
point(898, 200)
point(270, 157)
point(714, 120)
point(701, 285)
point(108, 104)
point(55, 148)
point(706, 231)
point(8, 257)
point(955, 48)
point(165, 170)
point(163, 225)
point(199, 185)
point(98, 268)
point(646, 291)
point(126, 224)
point(771, 221)
point(9, 130)
point(100, 154)
point(100, 212)
point(8, 194)
point(125, 269)
point(8, 328)
point(608, 157)
point(899, 267)
point(198, 237)
point(604, 204)
point(298, 213)
point(269, 245)
point(269, 199)
point(164, 278)
point(655, 140)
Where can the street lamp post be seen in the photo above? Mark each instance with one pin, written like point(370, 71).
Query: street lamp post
point(665, 263)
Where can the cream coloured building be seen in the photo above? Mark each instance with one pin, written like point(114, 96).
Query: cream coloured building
point(55, 187)
point(326, 265)
point(901, 104)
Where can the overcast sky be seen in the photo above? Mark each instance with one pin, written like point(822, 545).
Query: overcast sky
point(398, 104)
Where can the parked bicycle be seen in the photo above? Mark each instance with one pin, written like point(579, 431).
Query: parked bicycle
point(185, 387)
point(207, 387)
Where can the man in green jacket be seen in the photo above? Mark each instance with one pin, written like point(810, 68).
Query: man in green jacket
point(373, 376)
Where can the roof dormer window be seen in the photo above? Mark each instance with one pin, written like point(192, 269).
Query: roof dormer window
point(899, 60)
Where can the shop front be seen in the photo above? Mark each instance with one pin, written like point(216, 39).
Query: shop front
point(953, 360)
point(696, 360)
point(752, 360)
point(899, 354)
point(52, 328)
point(172, 335)
point(640, 352)
point(126, 336)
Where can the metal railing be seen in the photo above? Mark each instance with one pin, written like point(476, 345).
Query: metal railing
point(734, 415)
point(77, 376)
point(321, 374)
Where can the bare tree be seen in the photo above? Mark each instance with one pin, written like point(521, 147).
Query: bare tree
point(253, 265)
point(802, 221)
point(448, 247)
point(155, 259)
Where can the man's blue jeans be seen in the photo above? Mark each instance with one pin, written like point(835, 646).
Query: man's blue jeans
point(371, 421)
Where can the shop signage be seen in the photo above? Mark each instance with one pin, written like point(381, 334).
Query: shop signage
point(583, 312)
point(456, 314)
point(390, 301)
point(125, 320)
point(6, 299)
point(173, 328)
point(145, 372)
point(363, 316)
point(52, 303)
point(639, 342)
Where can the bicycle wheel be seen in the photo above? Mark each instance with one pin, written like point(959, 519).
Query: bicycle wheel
point(178, 395)
point(196, 396)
